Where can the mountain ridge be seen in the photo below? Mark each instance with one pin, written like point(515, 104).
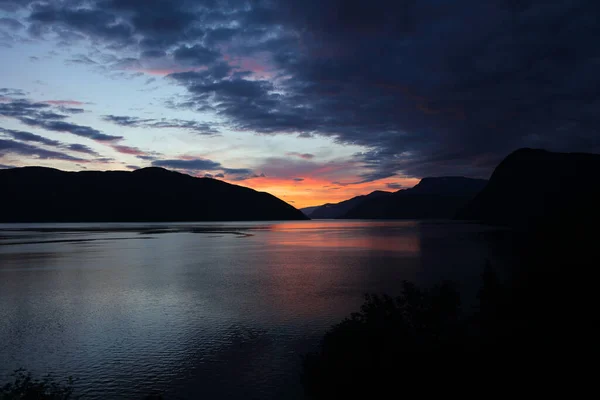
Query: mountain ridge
point(336, 210)
point(432, 198)
point(143, 195)
point(534, 185)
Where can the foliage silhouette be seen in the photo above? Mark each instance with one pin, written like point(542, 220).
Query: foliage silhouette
point(531, 320)
point(25, 387)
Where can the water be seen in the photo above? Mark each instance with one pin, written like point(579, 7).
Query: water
point(211, 310)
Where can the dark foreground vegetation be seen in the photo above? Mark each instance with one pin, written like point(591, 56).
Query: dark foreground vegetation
point(25, 387)
point(537, 322)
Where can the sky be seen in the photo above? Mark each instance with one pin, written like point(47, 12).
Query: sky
point(313, 101)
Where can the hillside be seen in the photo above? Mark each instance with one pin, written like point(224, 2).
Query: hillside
point(36, 194)
point(530, 186)
point(337, 210)
point(431, 198)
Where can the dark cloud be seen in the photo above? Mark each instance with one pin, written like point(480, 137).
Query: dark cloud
point(195, 126)
point(298, 179)
point(128, 150)
point(40, 114)
point(205, 165)
point(92, 22)
point(126, 121)
point(4, 166)
point(13, 5)
point(17, 108)
point(81, 148)
point(11, 24)
point(24, 149)
point(133, 167)
point(71, 110)
point(394, 186)
point(62, 126)
point(146, 157)
point(29, 137)
point(153, 54)
point(195, 164)
point(306, 156)
point(195, 55)
point(426, 87)
point(237, 171)
point(12, 92)
point(82, 59)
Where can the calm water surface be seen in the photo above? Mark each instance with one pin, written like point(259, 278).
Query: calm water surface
point(211, 310)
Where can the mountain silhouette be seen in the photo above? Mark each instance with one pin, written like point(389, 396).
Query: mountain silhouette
point(336, 210)
point(533, 186)
point(431, 198)
point(308, 210)
point(37, 194)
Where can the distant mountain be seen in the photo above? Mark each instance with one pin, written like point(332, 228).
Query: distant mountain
point(308, 210)
point(531, 186)
point(336, 210)
point(431, 198)
point(36, 194)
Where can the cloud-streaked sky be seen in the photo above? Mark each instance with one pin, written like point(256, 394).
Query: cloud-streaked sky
point(312, 100)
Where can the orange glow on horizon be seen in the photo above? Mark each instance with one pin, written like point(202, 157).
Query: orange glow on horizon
point(316, 191)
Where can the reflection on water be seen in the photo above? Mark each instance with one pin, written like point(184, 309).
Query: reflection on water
point(220, 310)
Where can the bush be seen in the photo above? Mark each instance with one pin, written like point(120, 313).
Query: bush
point(25, 387)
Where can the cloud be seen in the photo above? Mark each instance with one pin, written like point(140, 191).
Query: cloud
point(24, 149)
point(394, 186)
point(29, 137)
point(82, 59)
point(16, 108)
point(306, 156)
point(66, 103)
point(133, 167)
point(163, 123)
point(298, 179)
point(425, 87)
point(195, 55)
point(12, 92)
point(11, 24)
point(40, 114)
point(146, 157)
point(81, 148)
point(4, 166)
point(128, 150)
point(237, 171)
point(70, 110)
point(195, 164)
point(78, 130)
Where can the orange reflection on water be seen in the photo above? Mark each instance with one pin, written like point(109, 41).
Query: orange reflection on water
point(344, 235)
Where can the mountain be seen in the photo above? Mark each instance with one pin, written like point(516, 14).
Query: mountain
point(336, 210)
point(36, 194)
point(531, 186)
point(308, 210)
point(439, 198)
